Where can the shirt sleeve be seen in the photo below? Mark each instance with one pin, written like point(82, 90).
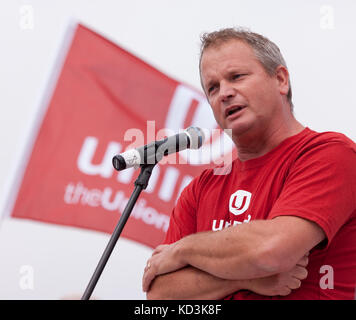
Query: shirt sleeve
point(183, 216)
point(321, 187)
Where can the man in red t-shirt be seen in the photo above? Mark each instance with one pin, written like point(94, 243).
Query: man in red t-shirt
point(286, 204)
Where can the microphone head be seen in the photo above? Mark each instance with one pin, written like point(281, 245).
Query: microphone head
point(196, 137)
point(119, 162)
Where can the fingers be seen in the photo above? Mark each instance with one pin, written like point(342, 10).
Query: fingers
point(293, 278)
point(152, 267)
point(303, 261)
point(285, 291)
point(159, 249)
point(148, 276)
point(294, 283)
point(148, 265)
point(299, 272)
point(149, 271)
point(146, 281)
point(162, 261)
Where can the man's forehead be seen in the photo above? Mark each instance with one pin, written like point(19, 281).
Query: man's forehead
point(223, 42)
point(233, 53)
point(233, 47)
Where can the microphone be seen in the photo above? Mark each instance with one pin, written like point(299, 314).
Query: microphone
point(152, 153)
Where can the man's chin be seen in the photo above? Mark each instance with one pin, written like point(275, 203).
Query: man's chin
point(240, 131)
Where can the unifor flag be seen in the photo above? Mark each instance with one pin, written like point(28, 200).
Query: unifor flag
point(105, 101)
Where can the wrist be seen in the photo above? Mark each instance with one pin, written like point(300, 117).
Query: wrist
point(180, 250)
point(234, 286)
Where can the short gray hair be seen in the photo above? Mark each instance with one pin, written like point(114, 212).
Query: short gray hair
point(267, 52)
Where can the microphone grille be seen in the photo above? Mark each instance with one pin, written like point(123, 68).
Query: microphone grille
point(196, 137)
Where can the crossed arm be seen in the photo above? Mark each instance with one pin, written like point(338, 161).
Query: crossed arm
point(211, 265)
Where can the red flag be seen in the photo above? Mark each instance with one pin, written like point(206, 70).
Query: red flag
point(105, 101)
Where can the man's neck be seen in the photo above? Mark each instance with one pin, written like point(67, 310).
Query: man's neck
point(254, 145)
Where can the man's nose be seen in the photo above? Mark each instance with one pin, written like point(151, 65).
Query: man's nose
point(227, 91)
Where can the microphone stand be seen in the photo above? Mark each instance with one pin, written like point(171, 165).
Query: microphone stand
point(140, 184)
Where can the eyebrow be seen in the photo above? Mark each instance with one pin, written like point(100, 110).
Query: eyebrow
point(210, 83)
point(234, 70)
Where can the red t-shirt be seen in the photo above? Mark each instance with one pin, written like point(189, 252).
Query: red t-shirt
point(310, 175)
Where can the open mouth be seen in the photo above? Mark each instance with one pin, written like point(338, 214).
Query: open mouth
point(232, 110)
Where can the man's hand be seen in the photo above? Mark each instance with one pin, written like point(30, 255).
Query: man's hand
point(163, 260)
point(280, 284)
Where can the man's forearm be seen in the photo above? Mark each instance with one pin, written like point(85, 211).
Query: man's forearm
point(257, 249)
point(254, 250)
point(192, 284)
point(229, 254)
point(235, 253)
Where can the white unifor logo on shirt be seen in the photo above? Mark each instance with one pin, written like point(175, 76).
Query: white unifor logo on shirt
point(239, 202)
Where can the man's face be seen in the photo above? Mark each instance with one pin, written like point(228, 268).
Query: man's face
point(243, 97)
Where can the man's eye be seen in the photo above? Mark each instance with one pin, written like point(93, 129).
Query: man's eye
point(236, 76)
point(210, 89)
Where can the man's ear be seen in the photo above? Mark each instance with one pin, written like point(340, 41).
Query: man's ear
point(282, 76)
